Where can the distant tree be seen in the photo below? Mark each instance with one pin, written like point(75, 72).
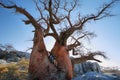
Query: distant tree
point(7, 47)
point(5, 50)
point(56, 21)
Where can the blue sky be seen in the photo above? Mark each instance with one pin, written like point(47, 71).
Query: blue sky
point(13, 30)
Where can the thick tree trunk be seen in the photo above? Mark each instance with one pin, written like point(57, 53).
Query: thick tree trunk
point(39, 67)
point(63, 61)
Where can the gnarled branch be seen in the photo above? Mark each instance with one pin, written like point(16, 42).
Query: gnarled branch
point(89, 56)
point(24, 12)
point(102, 13)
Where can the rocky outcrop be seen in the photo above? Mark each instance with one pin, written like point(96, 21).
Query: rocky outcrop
point(85, 67)
point(13, 59)
point(91, 71)
point(3, 61)
point(2, 54)
point(23, 54)
point(13, 56)
point(96, 76)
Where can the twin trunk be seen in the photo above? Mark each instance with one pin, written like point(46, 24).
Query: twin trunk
point(40, 67)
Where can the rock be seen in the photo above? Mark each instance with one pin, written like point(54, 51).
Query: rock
point(115, 76)
point(78, 69)
point(96, 76)
point(0, 50)
point(13, 59)
point(23, 54)
point(3, 61)
point(2, 54)
point(77, 78)
point(85, 67)
point(11, 54)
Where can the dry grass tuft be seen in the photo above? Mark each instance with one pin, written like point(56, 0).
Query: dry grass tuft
point(14, 71)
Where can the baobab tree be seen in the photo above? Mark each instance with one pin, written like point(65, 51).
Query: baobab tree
point(56, 21)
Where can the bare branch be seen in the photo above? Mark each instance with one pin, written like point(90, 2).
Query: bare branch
point(41, 14)
point(24, 12)
point(56, 6)
point(77, 42)
point(101, 13)
point(73, 5)
point(80, 24)
point(51, 19)
point(89, 56)
point(74, 45)
point(29, 49)
point(44, 3)
point(26, 21)
point(50, 34)
point(46, 31)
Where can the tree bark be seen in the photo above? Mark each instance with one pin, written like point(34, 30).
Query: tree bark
point(63, 60)
point(39, 67)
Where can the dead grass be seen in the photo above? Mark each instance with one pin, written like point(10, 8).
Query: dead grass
point(14, 71)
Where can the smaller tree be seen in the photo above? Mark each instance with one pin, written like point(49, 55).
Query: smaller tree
point(7, 47)
point(5, 50)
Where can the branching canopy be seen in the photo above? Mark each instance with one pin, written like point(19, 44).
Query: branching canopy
point(57, 14)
